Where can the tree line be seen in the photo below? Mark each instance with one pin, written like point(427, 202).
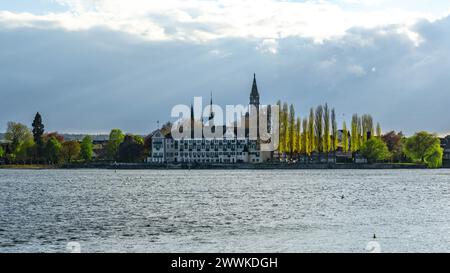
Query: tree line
point(318, 133)
point(35, 146)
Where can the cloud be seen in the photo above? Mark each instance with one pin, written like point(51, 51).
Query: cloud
point(356, 70)
point(102, 75)
point(201, 20)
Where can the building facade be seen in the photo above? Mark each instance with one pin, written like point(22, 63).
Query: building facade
point(229, 149)
point(445, 144)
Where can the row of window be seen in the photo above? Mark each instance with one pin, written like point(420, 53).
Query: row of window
point(200, 155)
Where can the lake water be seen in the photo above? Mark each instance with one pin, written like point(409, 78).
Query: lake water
point(225, 211)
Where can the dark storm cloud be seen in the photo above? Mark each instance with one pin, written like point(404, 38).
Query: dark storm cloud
point(95, 80)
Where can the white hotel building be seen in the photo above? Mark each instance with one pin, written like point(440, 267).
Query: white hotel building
point(229, 150)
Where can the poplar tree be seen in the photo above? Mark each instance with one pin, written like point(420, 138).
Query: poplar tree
point(354, 134)
point(285, 127)
point(379, 132)
point(319, 128)
point(305, 138)
point(281, 128)
point(344, 138)
point(298, 136)
point(360, 133)
point(292, 130)
point(312, 139)
point(334, 129)
point(326, 129)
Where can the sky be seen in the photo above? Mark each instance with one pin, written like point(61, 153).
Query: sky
point(92, 65)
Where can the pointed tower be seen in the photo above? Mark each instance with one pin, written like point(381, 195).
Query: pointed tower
point(254, 95)
point(254, 102)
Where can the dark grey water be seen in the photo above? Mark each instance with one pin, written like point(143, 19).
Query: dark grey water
point(225, 211)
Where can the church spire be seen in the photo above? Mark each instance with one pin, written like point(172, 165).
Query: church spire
point(254, 95)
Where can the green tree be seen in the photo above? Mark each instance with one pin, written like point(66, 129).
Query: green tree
point(87, 149)
point(375, 150)
point(359, 136)
point(298, 136)
point(70, 150)
point(131, 151)
point(344, 138)
point(423, 147)
point(367, 128)
point(17, 133)
point(434, 157)
point(355, 137)
point(285, 128)
point(379, 132)
point(319, 128)
point(21, 141)
point(334, 131)
point(280, 129)
point(2, 152)
point(395, 144)
point(52, 150)
point(116, 137)
point(326, 129)
point(291, 130)
point(312, 137)
point(24, 150)
point(38, 132)
point(305, 138)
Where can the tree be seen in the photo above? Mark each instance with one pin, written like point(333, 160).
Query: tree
point(87, 149)
point(326, 129)
point(379, 133)
point(395, 145)
point(434, 157)
point(38, 132)
point(355, 138)
point(70, 150)
point(344, 138)
point(2, 152)
point(21, 140)
point(360, 133)
point(312, 142)
point(52, 150)
point(280, 130)
point(367, 128)
point(130, 150)
point(334, 131)
point(319, 128)
point(305, 138)
point(291, 130)
point(423, 147)
point(17, 133)
point(375, 150)
point(116, 137)
point(298, 136)
point(285, 128)
point(24, 150)
point(59, 138)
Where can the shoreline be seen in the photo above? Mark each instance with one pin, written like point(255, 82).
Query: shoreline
point(243, 166)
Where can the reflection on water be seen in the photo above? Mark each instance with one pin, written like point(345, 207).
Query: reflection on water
point(225, 211)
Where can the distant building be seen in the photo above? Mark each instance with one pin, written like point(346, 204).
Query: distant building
point(229, 149)
point(445, 144)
